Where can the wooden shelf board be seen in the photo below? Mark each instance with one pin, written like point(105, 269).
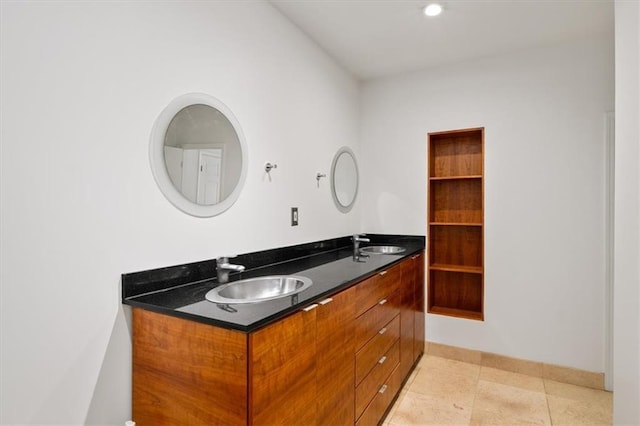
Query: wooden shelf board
point(453, 312)
point(455, 177)
point(456, 268)
point(455, 224)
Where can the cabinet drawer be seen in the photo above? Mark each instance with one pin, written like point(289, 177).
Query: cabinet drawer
point(373, 351)
point(376, 288)
point(382, 400)
point(372, 321)
point(376, 378)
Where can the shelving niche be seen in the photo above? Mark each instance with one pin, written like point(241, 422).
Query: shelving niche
point(456, 223)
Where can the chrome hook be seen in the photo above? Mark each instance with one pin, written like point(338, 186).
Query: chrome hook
point(268, 167)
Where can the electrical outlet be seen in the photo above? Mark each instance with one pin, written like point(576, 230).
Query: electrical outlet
point(294, 216)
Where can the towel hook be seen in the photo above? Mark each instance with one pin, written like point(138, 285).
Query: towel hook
point(268, 167)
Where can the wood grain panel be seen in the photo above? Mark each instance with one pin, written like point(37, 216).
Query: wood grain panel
point(455, 290)
point(282, 371)
point(457, 201)
point(381, 403)
point(372, 290)
point(367, 389)
point(407, 307)
point(456, 245)
point(372, 321)
point(374, 350)
point(419, 323)
point(335, 367)
point(455, 154)
point(181, 366)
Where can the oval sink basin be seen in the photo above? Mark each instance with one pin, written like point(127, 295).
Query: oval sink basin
point(383, 250)
point(259, 289)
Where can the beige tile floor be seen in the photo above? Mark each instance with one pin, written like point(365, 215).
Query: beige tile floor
point(442, 391)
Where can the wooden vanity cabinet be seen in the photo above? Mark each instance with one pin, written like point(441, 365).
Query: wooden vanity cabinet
point(377, 325)
point(340, 361)
point(408, 315)
point(282, 371)
point(414, 269)
point(412, 317)
point(185, 372)
point(335, 368)
point(301, 368)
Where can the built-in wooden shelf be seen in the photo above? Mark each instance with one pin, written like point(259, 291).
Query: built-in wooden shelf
point(456, 268)
point(456, 223)
point(452, 312)
point(455, 177)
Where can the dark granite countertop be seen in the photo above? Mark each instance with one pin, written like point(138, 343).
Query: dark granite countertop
point(180, 290)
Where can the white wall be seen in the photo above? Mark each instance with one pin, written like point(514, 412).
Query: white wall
point(82, 84)
point(543, 113)
point(626, 335)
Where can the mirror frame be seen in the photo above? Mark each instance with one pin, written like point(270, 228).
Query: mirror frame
point(340, 206)
point(158, 165)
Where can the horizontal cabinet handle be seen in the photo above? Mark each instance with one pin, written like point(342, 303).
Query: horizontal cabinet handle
point(382, 302)
point(415, 257)
point(382, 360)
point(327, 300)
point(383, 273)
point(382, 330)
point(383, 389)
point(310, 307)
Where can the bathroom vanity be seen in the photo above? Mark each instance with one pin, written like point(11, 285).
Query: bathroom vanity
point(335, 353)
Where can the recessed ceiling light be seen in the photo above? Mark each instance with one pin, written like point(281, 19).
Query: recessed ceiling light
point(433, 9)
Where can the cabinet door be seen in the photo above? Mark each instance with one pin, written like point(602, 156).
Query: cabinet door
point(419, 322)
point(335, 366)
point(187, 373)
point(282, 372)
point(407, 317)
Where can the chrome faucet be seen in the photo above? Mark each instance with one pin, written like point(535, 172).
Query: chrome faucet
point(357, 239)
point(223, 267)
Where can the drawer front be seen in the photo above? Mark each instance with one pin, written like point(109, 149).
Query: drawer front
point(382, 400)
point(376, 378)
point(376, 288)
point(369, 324)
point(374, 350)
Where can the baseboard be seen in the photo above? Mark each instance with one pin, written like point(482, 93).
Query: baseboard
point(543, 370)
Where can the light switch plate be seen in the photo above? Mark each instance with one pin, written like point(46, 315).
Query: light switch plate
point(294, 216)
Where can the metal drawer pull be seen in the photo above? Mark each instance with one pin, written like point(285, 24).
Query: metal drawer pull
point(415, 257)
point(382, 360)
point(310, 307)
point(327, 300)
point(382, 330)
point(383, 389)
point(383, 273)
point(382, 302)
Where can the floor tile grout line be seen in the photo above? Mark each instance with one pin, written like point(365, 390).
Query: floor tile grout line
point(475, 394)
point(546, 397)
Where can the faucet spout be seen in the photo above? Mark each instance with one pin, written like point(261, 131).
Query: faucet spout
point(223, 267)
point(357, 239)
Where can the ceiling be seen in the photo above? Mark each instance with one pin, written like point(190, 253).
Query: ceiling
point(374, 38)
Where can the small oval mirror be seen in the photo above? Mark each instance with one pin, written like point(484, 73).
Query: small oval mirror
point(344, 179)
point(198, 155)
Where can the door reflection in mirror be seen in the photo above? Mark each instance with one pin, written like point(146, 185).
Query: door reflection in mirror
point(198, 155)
point(202, 154)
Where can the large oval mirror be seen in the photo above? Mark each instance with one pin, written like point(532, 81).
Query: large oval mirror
point(344, 179)
point(198, 155)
